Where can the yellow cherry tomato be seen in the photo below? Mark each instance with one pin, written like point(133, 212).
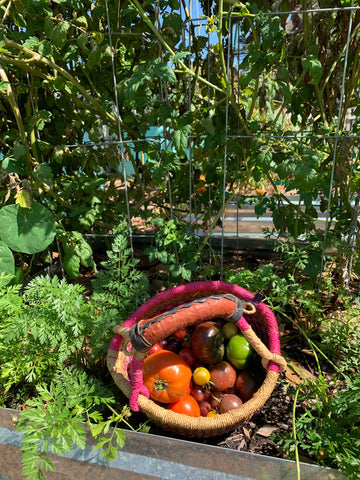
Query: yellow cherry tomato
point(201, 376)
point(212, 413)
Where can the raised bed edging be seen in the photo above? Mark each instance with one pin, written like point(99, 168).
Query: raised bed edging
point(149, 457)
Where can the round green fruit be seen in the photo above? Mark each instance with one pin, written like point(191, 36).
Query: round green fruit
point(239, 352)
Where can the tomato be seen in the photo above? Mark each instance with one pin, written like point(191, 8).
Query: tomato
point(239, 352)
point(198, 394)
point(181, 333)
point(212, 413)
point(188, 355)
point(205, 408)
point(172, 344)
point(246, 385)
point(207, 342)
point(166, 375)
point(155, 348)
point(229, 402)
point(229, 329)
point(201, 376)
point(222, 376)
point(187, 405)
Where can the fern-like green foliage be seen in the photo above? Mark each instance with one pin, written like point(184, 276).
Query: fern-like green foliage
point(119, 287)
point(41, 330)
point(56, 418)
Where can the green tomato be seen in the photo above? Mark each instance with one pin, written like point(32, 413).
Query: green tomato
point(239, 352)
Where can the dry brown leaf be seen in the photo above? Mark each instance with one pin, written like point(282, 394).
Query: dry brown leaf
point(267, 430)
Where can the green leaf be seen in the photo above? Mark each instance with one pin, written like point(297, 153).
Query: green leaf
point(312, 65)
point(3, 86)
point(31, 42)
point(7, 263)
point(27, 230)
point(181, 139)
point(178, 56)
point(272, 33)
point(58, 34)
point(164, 72)
point(12, 165)
point(71, 263)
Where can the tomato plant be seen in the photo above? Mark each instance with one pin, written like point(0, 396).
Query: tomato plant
point(239, 351)
point(207, 342)
point(166, 375)
point(201, 376)
point(187, 405)
point(222, 376)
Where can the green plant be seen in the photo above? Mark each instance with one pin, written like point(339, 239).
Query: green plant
point(177, 247)
point(55, 420)
point(118, 287)
point(48, 327)
point(327, 429)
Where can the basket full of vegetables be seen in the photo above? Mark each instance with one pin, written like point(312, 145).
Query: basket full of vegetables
point(198, 359)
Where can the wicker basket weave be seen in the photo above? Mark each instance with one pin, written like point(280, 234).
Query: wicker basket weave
point(260, 329)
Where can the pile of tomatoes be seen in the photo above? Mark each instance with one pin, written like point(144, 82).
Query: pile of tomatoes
point(204, 370)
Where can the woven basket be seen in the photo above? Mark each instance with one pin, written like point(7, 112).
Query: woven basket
point(260, 328)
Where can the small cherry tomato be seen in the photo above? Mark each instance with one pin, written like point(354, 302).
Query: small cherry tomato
point(181, 333)
point(201, 376)
point(212, 413)
point(198, 394)
point(188, 355)
point(229, 329)
point(187, 405)
point(205, 408)
point(155, 348)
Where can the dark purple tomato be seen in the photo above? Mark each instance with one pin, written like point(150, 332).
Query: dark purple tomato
point(188, 355)
point(229, 402)
point(246, 385)
point(207, 342)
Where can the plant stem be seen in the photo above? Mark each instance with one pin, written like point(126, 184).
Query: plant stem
point(167, 47)
point(294, 434)
point(16, 111)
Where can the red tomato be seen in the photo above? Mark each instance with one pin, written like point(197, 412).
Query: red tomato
point(187, 405)
point(155, 348)
point(182, 333)
point(187, 354)
point(205, 408)
point(198, 394)
point(222, 376)
point(207, 342)
point(166, 375)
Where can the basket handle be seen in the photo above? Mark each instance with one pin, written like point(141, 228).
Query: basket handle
point(146, 333)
